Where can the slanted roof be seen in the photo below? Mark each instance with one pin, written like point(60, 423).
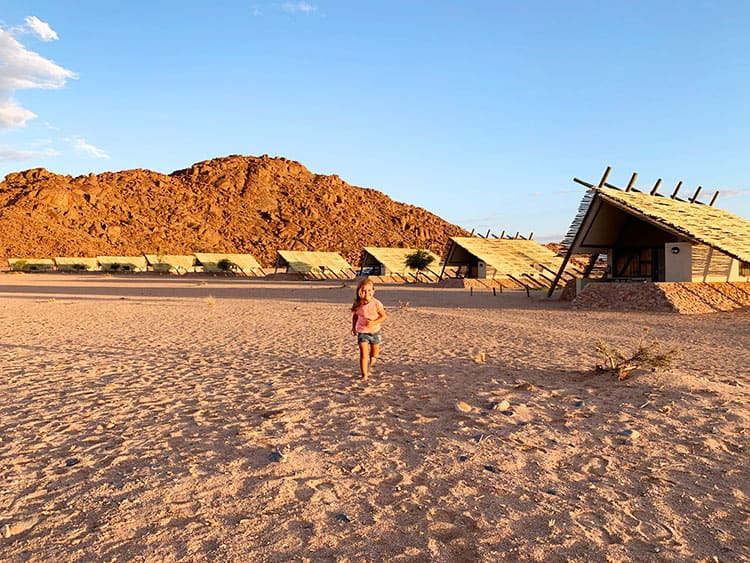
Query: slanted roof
point(306, 261)
point(31, 264)
point(515, 257)
point(76, 263)
point(696, 222)
point(210, 261)
point(168, 262)
point(394, 259)
point(123, 262)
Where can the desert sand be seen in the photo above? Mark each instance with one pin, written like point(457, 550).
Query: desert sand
point(148, 418)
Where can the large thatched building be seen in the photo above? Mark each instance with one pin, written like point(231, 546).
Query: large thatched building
point(662, 239)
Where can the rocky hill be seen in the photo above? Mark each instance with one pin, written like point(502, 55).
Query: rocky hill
point(242, 204)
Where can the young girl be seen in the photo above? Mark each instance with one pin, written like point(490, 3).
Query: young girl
point(367, 315)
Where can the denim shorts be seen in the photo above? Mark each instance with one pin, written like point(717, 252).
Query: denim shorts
point(369, 338)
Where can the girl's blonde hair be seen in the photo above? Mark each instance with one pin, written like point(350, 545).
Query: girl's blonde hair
point(360, 285)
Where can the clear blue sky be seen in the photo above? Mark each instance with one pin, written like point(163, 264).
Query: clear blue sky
point(479, 111)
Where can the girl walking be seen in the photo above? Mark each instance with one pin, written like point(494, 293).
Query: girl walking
point(368, 315)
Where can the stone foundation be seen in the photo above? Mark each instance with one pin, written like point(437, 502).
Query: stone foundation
point(684, 298)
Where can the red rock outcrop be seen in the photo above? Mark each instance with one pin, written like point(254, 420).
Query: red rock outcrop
point(242, 204)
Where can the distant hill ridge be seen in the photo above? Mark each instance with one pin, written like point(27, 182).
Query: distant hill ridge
point(237, 204)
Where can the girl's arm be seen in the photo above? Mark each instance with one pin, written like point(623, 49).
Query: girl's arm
point(354, 323)
point(381, 313)
point(374, 324)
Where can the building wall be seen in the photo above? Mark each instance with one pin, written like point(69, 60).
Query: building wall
point(711, 265)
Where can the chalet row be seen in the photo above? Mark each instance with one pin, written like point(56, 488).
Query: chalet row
point(639, 236)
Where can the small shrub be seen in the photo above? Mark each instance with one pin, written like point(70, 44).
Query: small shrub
point(419, 259)
point(645, 356)
point(226, 265)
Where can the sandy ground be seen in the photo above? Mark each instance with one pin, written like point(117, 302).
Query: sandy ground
point(212, 419)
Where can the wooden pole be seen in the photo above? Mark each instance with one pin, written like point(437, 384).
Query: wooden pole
point(695, 195)
point(577, 181)
point(713, 199)
point(676, 190)
point(656, 187)
point(632, 182)
point(447, 259)
point(604, 176)
point(568, 254)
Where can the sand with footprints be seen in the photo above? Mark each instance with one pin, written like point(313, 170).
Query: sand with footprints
point(150, 418)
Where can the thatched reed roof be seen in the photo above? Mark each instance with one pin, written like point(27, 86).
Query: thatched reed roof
point(210, 261)
point(394, 259)
point(135, 263)
point(168, 262)
point(31, 264)
point(76, 263)
point(305, 261)
point(508, 256)
point(701, 223)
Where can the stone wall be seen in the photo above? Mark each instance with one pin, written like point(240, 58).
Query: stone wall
point(683, 298)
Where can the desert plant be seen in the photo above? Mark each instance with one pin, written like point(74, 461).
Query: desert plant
point(646, 355)
point(226, 265)
point(419, 260)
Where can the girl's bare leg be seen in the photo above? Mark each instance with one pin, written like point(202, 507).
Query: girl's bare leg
point(374, 351)
point(364, 357)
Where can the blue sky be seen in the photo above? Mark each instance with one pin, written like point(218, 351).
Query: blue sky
point(479, 111)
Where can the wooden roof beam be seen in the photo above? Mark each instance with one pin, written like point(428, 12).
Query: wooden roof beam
point(695, 195)
point(629, 187)
point(713, 199)
point(583, 183)
point(656, 187)
point(604, 176)
point(676, 190)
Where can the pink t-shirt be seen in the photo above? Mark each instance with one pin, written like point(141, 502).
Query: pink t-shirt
point(368, 312)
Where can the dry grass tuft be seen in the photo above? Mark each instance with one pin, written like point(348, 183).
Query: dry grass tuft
point(645, 356)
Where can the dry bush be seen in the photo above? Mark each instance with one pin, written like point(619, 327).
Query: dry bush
point(651, 356)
